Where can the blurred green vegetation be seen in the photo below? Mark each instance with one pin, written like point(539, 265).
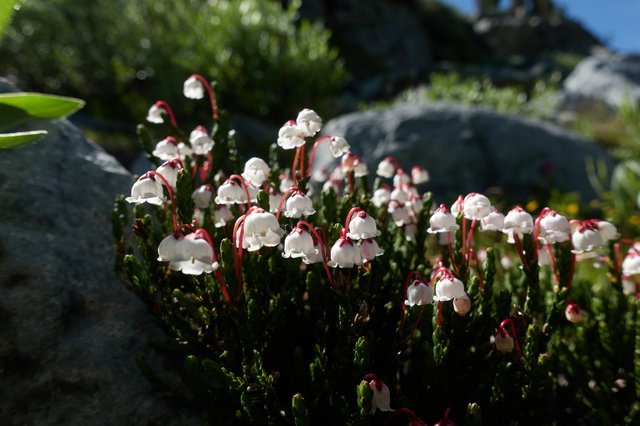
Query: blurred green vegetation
point(119, 54)
point(540, 102)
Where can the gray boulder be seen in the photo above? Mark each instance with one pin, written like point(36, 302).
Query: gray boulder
point(612, 78)
point(69, 329)
point(467, 149)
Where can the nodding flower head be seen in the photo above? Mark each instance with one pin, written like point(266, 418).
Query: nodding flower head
point(169, 170)
point(231, 192)
point(148, 188)
point(191, 254)
point(299, 243)
point(401, 179)
point(286, 182)
point(259, 229)
point(155, 114)
point(573, 313)
point(308, 122)
point(503, 340)
point(400, 213)
point(587, 237)
point(256, 171)
point(166, 149)
point(607, 230)
point(349, 161)
point(476, 206)
point(419, 175)
point(290, 136)
point(381, 196)
point(494, 221)
point(442, 221)
point(448, 287)
point(419, 293)
point(200, 141)
point(369, 250)
point(360, 168)
point(631, 262)
point(401, 195)
point(338, 146)
point(517, 222)
point(554, 228)
point(298, 204)
point(381, 399)
point(462, 305)
point(202, 196)
point(193, 88)
point(221, 216)
point(344, 253)
point(386, 168)
point(362, 226)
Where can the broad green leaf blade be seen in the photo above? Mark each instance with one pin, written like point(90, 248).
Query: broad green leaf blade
point(6, 10)
point(16, 108)
point(10, 140)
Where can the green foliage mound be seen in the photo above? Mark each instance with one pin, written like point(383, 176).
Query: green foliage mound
point(117, 54)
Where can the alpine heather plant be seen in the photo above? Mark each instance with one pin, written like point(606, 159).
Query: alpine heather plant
point(338, 303)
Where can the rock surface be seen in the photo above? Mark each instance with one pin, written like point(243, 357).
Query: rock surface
point(69, 329)
point(468, 149)
point(609, 77)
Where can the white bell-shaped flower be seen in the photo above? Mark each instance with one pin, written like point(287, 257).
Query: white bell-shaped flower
point(221, 216)
point(381, 399)
point(169, 170)
point(442, 221)
point(369, 250)
point(196, 256)
point(400, 214)
point(410, 232)
point(462, 305)
point(193, 88)
point(517, 222)
point(586, 237)
point(476, 206)
point(230, 192)
point(298, 204)
point(169, 248)
point(494, 221)
point(155, 114)
point(631, 262)
point(400, 195)
point(314, 256)
point(345, 254)
point(386, 168)
point(504, 342)
point(400, 179)
point(360, 169)
point(607, 230)
point(419, 293)
point(256, 171)
point(299, 243)
point(448, 288)
point(308, 122)
point(148, 188)
point(274, 201)
point(259, 229)
point(554, 228)
point(362, 226)
point(202, 196)
point(200, 141)
point(290, 136)
point(348, 162)
point(338, 146)
point(381, 196)
point(286, 182)
point(419, 175)
point(166, 149)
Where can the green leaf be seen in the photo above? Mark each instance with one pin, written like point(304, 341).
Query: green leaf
point(17, 108)
point(7, 8)
point(10, 140)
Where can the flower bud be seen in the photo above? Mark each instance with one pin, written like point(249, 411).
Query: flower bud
point(504, 342)
point(573, 313)
point(462, 305)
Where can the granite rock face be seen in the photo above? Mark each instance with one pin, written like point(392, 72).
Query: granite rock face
point(69, 329)
point(609, 77)
point(467, 149)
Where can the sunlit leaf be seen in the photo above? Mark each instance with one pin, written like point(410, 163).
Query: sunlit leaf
point(7, 8)
point(10, 140)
